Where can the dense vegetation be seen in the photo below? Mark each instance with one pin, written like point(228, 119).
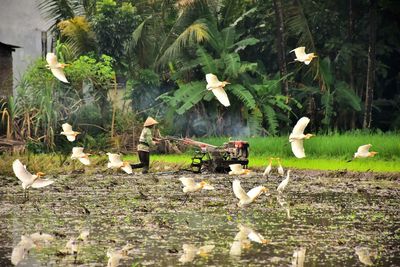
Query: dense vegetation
point(159, 51)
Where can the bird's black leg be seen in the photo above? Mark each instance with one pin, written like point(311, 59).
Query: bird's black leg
point(185, 200)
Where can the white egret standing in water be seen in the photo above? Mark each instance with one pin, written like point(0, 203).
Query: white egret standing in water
point(280, 168)
point(299, 256)
point(284, 183)
point(268, 169)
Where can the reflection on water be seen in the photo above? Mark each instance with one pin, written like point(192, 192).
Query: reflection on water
point(210, 229)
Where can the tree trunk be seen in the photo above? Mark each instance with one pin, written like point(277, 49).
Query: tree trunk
point(369, 92)
point(351, 67)
point(281, 47)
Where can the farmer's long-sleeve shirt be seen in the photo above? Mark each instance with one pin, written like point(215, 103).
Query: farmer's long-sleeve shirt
point(145, 140)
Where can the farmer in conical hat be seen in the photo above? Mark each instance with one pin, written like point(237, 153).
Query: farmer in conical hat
point(145, 142)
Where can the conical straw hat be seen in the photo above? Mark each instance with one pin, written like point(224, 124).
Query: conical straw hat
point(149, 121)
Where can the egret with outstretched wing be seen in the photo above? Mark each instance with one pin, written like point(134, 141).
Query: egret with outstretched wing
point(217, 88)
point(297, 136)
point(56, 67)
point(301, 55)
point(249, 197)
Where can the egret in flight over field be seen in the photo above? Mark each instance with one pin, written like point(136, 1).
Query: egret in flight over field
point(29, 180)
point(68, 132)
point(268, 169)
point(284, 183)
point(56, 67)
point(116, 163)
point(217, 88)
point(297, 136)
point(190, 252)
point(191, 186)
point(246, 198)
point(77, 153)
point(301, 55)
point(363, 152)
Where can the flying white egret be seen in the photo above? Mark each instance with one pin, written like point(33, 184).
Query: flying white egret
point(117, 163)
point(190, 252)
point(365, 254)
point(29, 180)
point(237, 169)
point(246, 198)
point(77, 153)
point(191, 186)
point(284, 183)
point(243, 238)
point(297, 136)
point(299, 256)
point(363, 152)
point(217, 88)
point(26, 244)
point(301, 55)
point(280, 168)
point(56, 67)
point(68, 132)
point(268, 169)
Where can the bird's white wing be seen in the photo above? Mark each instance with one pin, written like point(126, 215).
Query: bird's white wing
point(59, 74)
point(115, 159)
point(41, 237)
point(238, 190)
point(267, 170)
point(236, 248)
point(77, 150)
point(66, 127)
point(205, 249)
point(364, 149)
point(208, 187)
point(300, 126)
point(21, 249)
point(298, 148)
point(127, 168)
point(256, 237)
point(212, 80)
point(20, 171)
point(189, 182)
point(189, 253)
point(255, 192)
point(85, 160)
point(51, 59)
point(300, 52)
point(71, 138)
point(38, 183)
point(221, 95)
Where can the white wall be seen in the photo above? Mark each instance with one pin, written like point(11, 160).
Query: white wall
point(21, 24)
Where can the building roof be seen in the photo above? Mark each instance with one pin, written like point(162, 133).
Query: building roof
point(12, 47)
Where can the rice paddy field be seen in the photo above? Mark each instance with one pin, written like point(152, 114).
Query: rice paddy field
point(332, 213)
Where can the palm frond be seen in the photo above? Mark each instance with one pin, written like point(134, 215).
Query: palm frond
point(58, 10)
point(346, 96)
point(206, 60)
point(242, 44)
point(243, 94)
point(187, 96)
point(232, 64)
point(272, 120)
point(254, 121)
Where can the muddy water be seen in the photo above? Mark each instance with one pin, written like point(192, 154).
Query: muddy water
point(331, 217)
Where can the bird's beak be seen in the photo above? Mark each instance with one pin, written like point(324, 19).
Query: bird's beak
point(39, 174)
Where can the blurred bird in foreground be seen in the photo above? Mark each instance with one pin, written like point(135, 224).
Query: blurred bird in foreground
point(68, 132)
point(284, 183)
point(29, 180)
point(217, 88)
point(237, 169)
point(26, 244)
point(56, 68)
point(365, 254)
point(114, 257)
point(77, 153)
point(116, 163)
point(301, 55)
point(299, 256)
point(297, 136)
point(249, 197)
point(363, 152)
point(190, 252)
point(243, 238)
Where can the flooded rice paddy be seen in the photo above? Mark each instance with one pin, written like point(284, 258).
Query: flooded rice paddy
point(337, 219)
